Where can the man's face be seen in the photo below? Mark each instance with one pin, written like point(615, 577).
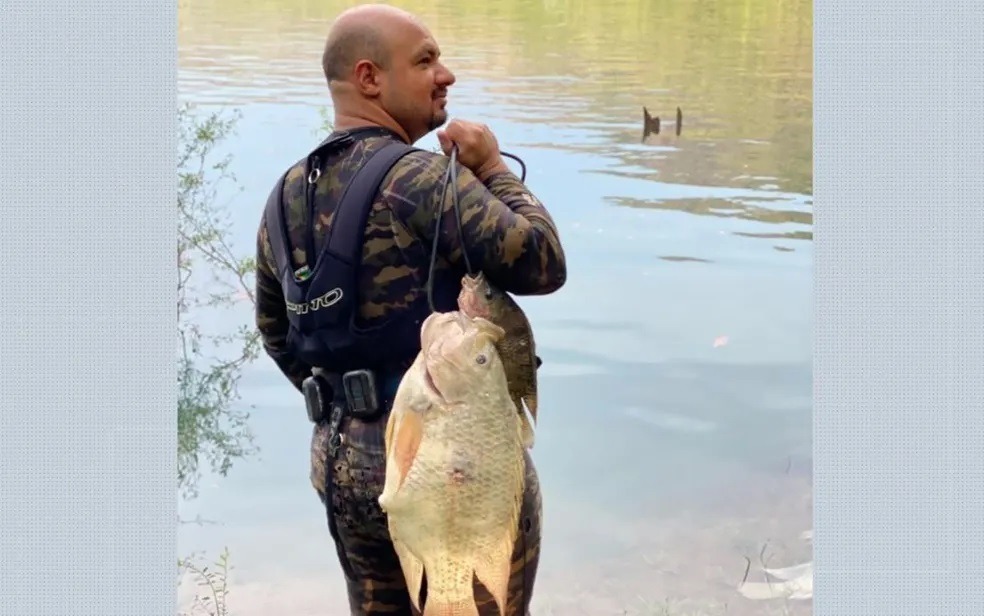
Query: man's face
point(414, 89)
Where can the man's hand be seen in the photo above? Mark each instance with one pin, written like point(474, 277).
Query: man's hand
point(478, 148)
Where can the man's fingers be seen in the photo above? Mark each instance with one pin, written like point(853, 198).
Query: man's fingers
point(453, 130)
point(444, 141)
point(477, 145)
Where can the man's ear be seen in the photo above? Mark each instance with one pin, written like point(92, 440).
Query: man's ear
point(367, 77)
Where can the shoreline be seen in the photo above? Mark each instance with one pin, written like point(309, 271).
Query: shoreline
point(689, 563)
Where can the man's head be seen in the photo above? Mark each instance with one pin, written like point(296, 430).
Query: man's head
point(382, 65)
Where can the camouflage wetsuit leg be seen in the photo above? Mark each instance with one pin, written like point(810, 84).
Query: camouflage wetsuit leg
point(372, 570)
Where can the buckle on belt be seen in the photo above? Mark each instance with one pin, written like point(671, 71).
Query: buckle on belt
point(361, 394)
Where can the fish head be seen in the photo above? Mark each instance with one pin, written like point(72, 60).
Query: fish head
point(459, 355)
point(478, 298)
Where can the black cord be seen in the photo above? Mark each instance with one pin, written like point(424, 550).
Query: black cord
point(522, 175)
point(451, 183)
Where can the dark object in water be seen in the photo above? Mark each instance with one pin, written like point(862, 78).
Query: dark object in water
point(650, 124)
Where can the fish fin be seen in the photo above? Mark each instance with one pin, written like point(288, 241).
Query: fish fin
point(526, 430)
point(493, 569)
point(390, 480)
point(407, 435)
point(413, 571)
point(388, 434)
point(404, 431)
point(531, 403)
point(435, 606)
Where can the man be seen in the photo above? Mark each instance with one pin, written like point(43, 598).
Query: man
point(388, 86)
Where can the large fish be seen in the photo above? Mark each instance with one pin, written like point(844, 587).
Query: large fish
point(479, 298)
point(454, 467)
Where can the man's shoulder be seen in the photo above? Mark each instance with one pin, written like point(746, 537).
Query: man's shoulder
point(417, 169)
point(288, 182)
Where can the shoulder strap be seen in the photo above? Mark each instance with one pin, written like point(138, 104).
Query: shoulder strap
point(274, 212)
point(345, 240)
point(352, 213)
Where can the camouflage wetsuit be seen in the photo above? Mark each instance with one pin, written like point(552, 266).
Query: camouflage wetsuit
point(510, 236)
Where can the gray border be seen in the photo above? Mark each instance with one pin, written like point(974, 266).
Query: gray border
point(87, 159)
point(899, 275)
point(87, 456)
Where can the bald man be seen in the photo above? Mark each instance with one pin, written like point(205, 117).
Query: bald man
point(339, 326)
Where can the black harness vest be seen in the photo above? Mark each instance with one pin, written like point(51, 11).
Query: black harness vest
point(322, 305)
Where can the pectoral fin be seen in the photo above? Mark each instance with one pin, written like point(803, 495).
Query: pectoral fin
point(404, 431)
point(407, 435)
point(526, 430)
point(391, 422)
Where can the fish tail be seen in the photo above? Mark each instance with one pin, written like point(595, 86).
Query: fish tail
point(441, 606)
point(494, 567)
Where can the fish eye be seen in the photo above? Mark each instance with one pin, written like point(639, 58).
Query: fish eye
point(481, 359)
point(488, 293)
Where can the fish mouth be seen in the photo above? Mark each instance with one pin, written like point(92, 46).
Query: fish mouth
point(452, 325)
point(469, 300)
point(469, 282)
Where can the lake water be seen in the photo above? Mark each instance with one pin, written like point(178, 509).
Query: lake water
point(675, 407)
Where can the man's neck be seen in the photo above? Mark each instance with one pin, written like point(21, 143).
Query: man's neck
point(350, 121)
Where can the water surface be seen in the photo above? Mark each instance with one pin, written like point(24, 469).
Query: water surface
point(665, 458)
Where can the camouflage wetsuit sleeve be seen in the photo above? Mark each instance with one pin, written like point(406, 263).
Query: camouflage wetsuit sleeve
point(508, 233)
point(271, 313)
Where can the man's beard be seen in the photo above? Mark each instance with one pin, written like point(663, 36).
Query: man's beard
point(437, 120)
